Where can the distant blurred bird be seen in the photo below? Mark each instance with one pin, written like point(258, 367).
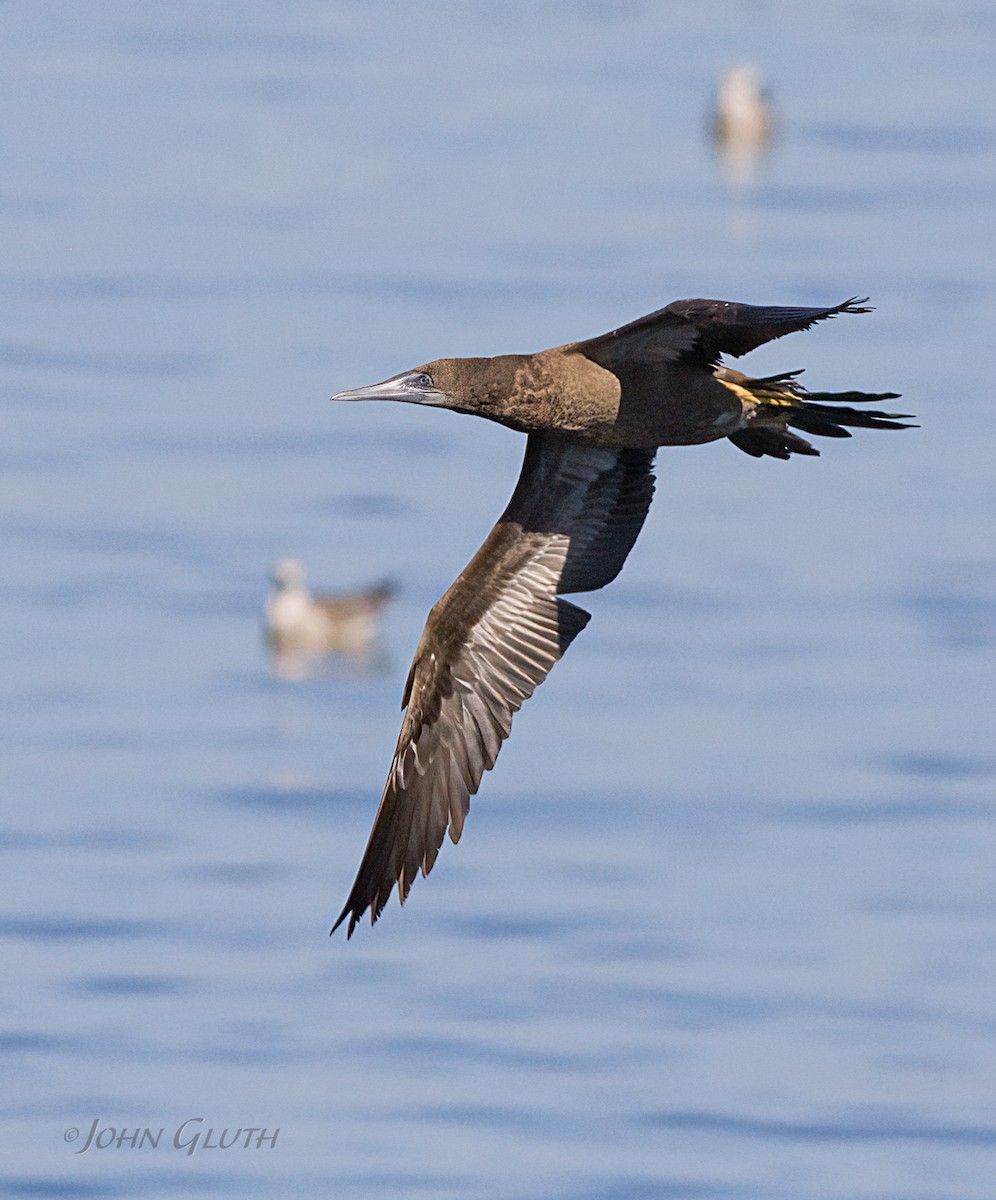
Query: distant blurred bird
point(298, 622)
point(743, 122)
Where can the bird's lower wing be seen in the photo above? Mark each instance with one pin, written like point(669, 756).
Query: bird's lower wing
point(489, 643)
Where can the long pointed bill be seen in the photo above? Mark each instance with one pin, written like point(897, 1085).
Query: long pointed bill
point(410, 388)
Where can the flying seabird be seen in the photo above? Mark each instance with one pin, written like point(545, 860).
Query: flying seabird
point(595, 413)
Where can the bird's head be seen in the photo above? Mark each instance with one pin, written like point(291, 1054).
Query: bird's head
point(481, 386)
point(288, 573)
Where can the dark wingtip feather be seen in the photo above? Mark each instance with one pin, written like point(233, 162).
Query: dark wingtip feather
point(354, 908)
point(339, 920)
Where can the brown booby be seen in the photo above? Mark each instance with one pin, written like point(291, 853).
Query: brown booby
point(595, 413)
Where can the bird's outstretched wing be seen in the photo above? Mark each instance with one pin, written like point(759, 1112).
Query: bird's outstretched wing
point(699, 331)
point(489, 643)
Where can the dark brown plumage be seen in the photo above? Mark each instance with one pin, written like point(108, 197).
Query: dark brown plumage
point(595, 412)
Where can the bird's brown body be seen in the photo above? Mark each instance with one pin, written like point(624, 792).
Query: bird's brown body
point(595, 411)
point(648, 405)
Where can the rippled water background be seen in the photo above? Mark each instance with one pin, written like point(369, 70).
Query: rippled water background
point(723, 922)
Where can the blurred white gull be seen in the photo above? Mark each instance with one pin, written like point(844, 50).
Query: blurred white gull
point(743, 122)
point(299, 623)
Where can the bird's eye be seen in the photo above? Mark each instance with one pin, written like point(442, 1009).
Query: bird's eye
point(420, 380)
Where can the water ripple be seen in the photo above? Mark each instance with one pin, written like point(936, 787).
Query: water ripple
point(869, 1129)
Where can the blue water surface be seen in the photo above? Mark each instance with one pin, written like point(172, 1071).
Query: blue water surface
point(722, 924)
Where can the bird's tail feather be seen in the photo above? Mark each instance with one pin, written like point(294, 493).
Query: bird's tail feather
point(783, 402)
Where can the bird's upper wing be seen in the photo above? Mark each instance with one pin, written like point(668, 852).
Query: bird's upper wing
point(491, 640)
point(699, 331)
